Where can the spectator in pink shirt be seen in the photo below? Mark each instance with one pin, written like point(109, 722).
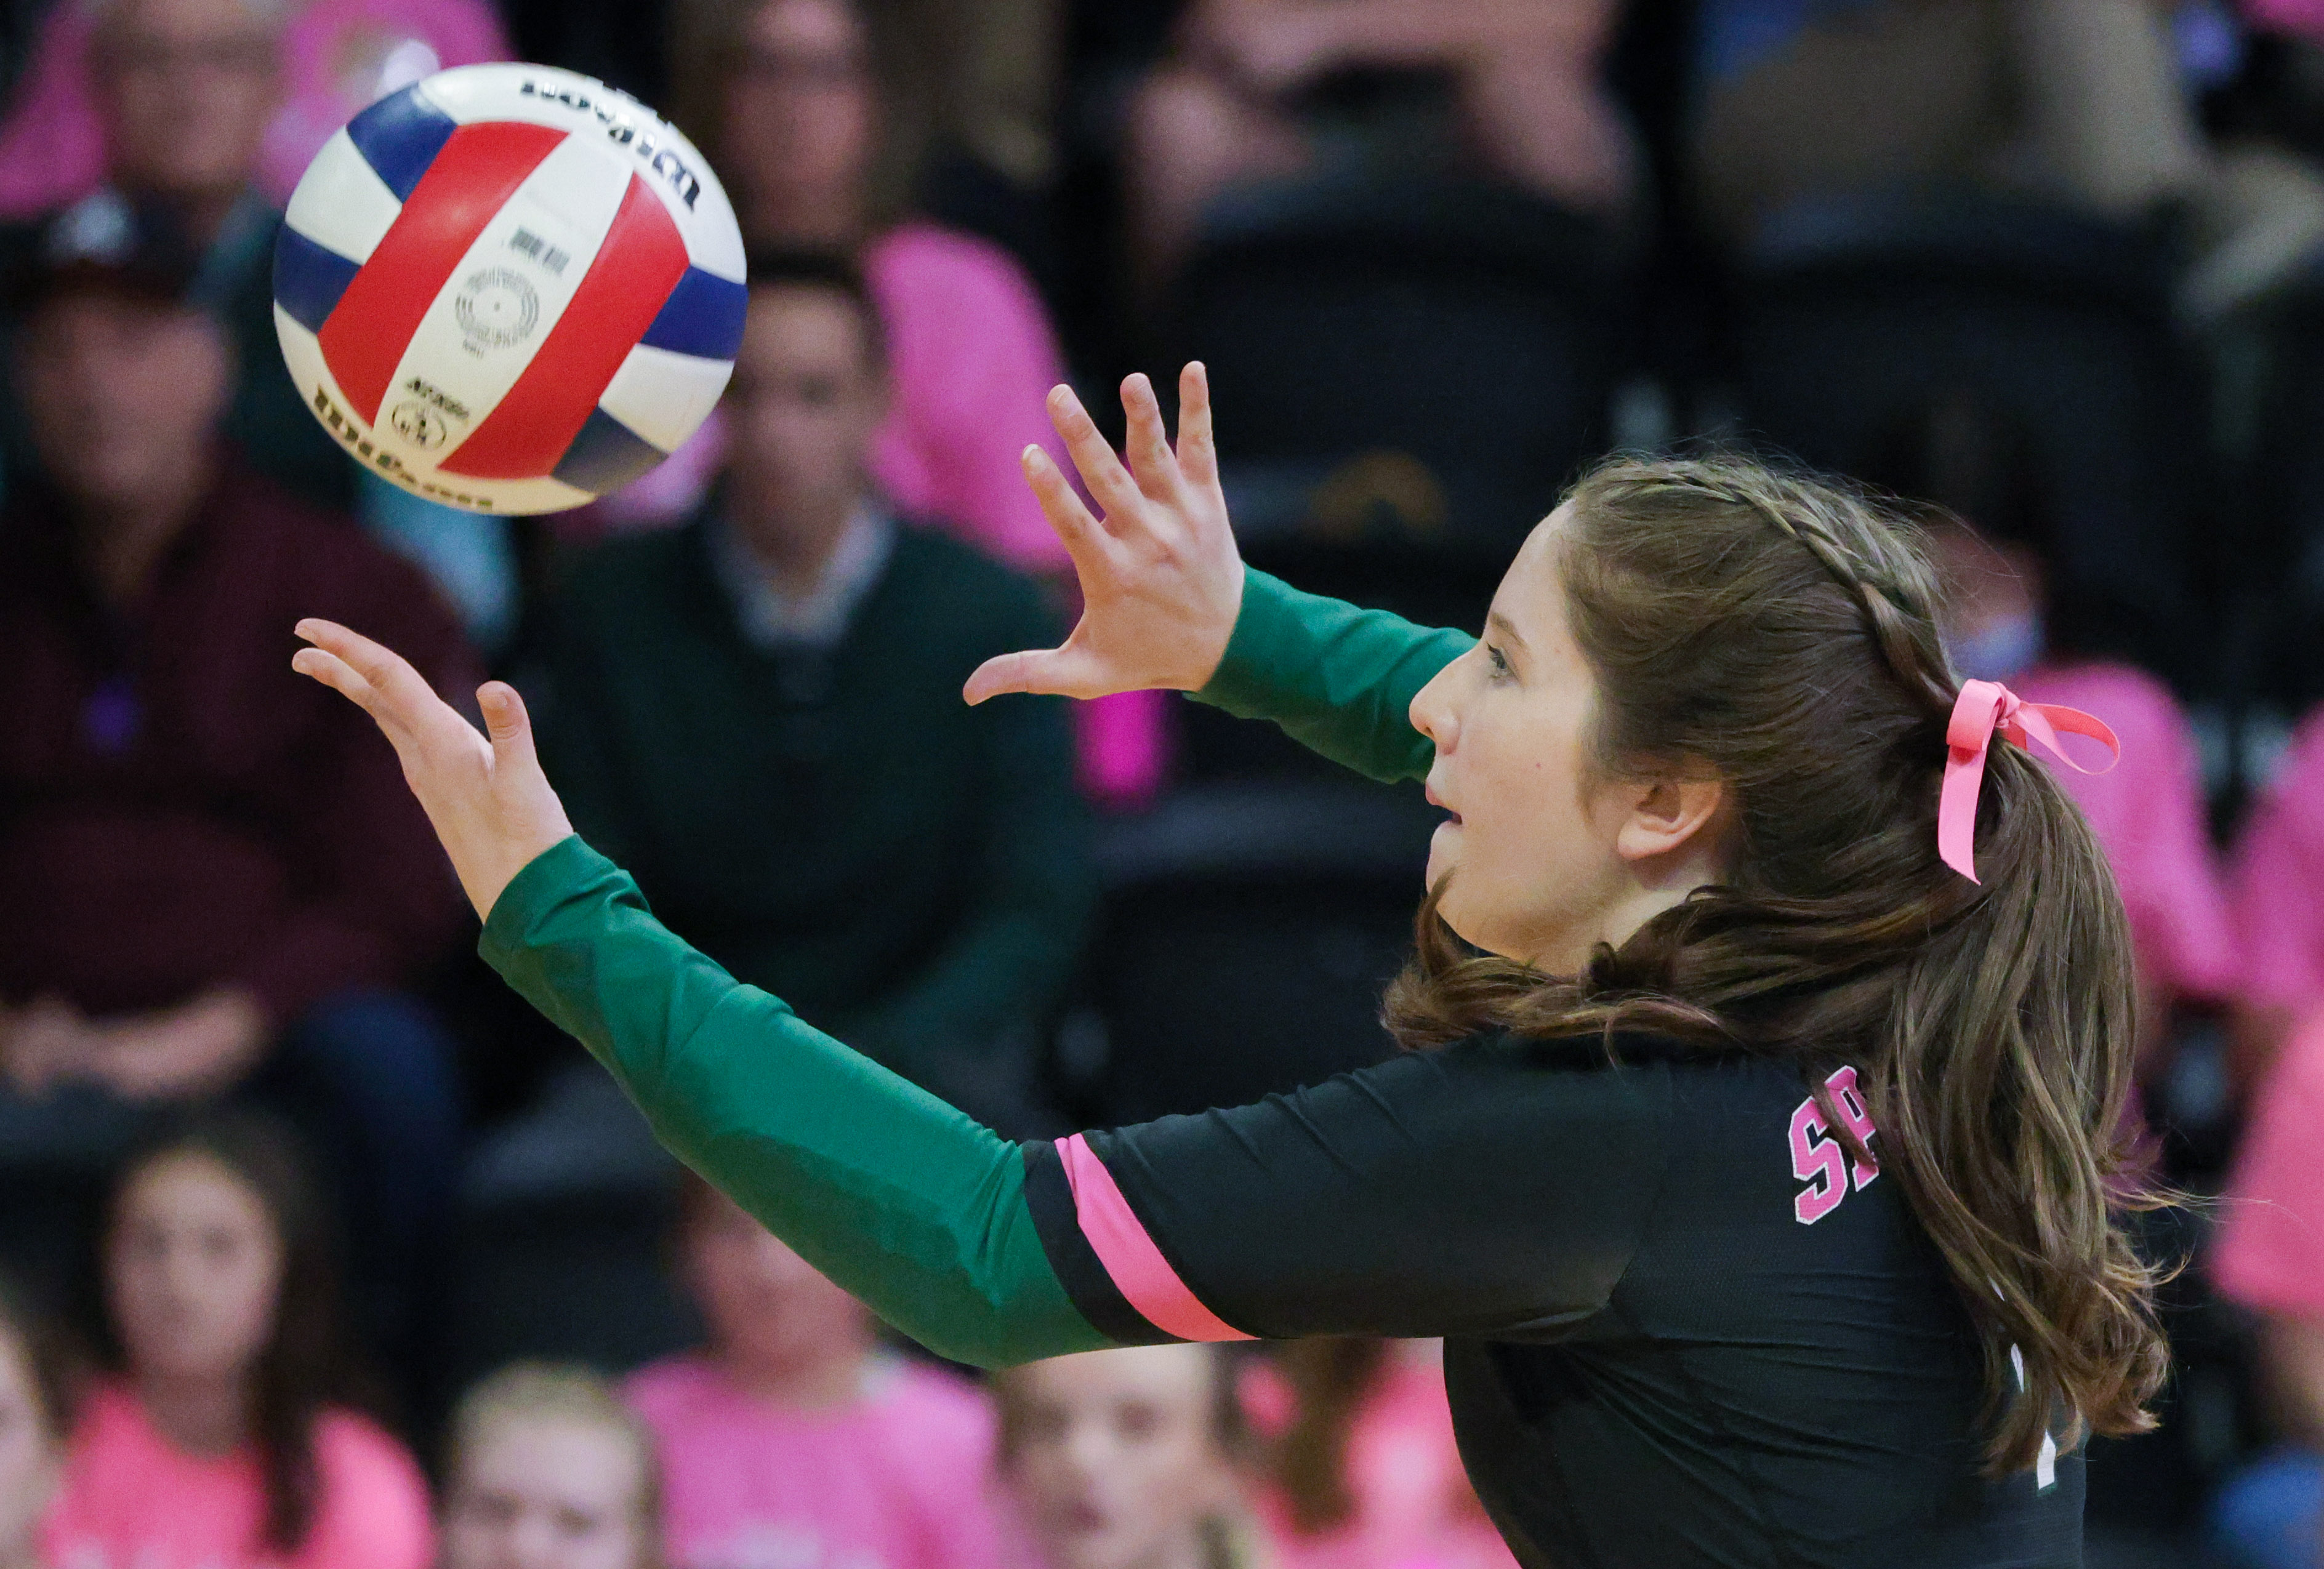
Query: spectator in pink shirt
point(549, 1469)
point(1127, 1458)
point(2270, 1257)
point(338, 56)
point(221, 1439)
point(32, 1419)
point(790, 108)
point(2148, 811)
point(1364, 1471)
point(792, 1442)
point(2278, 883)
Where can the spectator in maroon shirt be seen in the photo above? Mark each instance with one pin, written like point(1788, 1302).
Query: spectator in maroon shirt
point(211, 876)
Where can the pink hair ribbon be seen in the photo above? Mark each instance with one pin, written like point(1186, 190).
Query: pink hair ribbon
point(1982, 709)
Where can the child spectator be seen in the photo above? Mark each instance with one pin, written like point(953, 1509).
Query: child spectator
point(222, 1439)
point(2278, 881)
point(2001, 623)
point(549, 1469)
point(2270, 1257)
point(1128, 1458)
point(791, 1442)
point(32, 1420)
point(1363, 1470)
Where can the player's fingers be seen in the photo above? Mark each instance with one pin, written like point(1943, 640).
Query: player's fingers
point(1072, 671)
point(508, 725)
point(1085, 538)
point(337, 674)
point(1198, 455)
point(399, 694)
point(1148, 441)
point(1100, 470)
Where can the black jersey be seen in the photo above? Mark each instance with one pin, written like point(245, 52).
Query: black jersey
point(1683, 1327)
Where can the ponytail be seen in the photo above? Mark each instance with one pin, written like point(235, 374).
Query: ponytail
point(1781, 633)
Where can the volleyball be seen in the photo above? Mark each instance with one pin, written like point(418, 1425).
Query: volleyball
point(509, 287)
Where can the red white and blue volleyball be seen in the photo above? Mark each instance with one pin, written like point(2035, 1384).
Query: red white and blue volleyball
point(509, 287)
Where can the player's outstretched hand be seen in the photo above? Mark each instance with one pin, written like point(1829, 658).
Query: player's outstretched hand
point(1161, 581)
point(486, 796)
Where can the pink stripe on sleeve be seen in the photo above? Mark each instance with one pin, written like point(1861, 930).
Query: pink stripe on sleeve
point(1139, 1271)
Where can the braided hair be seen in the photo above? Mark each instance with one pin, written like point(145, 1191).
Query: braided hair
point(1780, 632)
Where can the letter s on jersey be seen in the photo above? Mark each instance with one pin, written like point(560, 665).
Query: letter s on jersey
point(1821, 1160)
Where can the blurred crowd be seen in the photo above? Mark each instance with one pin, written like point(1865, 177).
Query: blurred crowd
point(326, 1252)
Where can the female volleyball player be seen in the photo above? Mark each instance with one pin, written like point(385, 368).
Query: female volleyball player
point(1762, 1175)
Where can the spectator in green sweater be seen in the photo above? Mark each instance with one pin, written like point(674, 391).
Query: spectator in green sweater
point(760, 713)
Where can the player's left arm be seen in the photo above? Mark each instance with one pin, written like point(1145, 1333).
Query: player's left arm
point(907, 1203)
point(1485, 1189)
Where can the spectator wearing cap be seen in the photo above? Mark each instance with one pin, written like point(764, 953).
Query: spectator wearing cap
point(186, 90)
point(760, 713)
point(183, 910)
point(189, 99)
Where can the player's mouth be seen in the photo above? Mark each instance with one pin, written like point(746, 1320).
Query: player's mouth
point(1438, 801)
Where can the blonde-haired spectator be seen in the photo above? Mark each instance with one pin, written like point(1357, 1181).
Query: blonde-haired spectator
point(1125, 1458)
point(548, 1469)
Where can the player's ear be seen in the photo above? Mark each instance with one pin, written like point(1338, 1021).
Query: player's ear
point(1671, 812)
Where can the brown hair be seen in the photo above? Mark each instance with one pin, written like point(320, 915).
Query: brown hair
point(1778, 631)
point(709, 44)
point(47, 1357)
point(1330, 1376)
point(549, 1392)
point(305, 1365)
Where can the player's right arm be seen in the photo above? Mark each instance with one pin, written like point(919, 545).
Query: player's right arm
point(1168, 603)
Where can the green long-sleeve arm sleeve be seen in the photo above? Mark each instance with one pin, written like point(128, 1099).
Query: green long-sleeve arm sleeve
point(1338, 679)
point(907, 1203)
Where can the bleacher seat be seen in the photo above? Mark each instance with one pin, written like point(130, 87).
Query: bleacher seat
point(1850, 312)
point(562, 1244)
point(1404, 377)
point(2281, 548)
point(1245, 935)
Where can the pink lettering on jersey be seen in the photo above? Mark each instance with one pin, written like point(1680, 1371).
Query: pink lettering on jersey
point(1820, 1159)
point(1850, 1101)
